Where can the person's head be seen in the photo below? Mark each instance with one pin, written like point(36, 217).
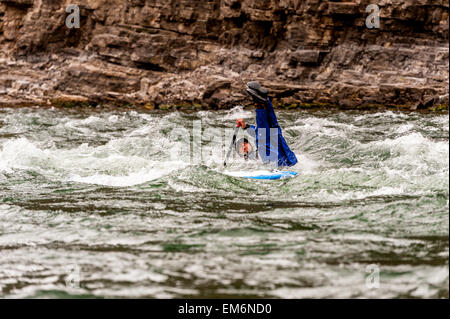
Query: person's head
point(257, 93)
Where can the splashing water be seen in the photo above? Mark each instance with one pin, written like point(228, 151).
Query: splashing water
point(93, 203)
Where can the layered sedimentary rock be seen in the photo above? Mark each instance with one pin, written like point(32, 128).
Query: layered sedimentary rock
point(201, 52)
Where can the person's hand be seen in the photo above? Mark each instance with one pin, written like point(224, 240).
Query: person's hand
point(240, 123)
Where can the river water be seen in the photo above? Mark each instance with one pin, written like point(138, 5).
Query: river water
point(94, 203)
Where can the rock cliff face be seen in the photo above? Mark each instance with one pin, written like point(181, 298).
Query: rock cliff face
point(201, 52)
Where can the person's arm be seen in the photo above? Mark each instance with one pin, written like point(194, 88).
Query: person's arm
point(251, 129)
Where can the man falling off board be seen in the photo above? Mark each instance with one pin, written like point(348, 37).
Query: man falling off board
point(270, 143)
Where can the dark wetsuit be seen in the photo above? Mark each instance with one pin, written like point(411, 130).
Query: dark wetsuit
point(270, 148)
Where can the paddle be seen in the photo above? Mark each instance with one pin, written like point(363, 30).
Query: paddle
point(231, 145)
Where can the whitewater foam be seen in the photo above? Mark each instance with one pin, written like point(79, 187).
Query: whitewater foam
point(113, 164)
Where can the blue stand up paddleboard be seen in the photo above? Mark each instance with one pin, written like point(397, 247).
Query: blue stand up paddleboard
point(262, 174)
